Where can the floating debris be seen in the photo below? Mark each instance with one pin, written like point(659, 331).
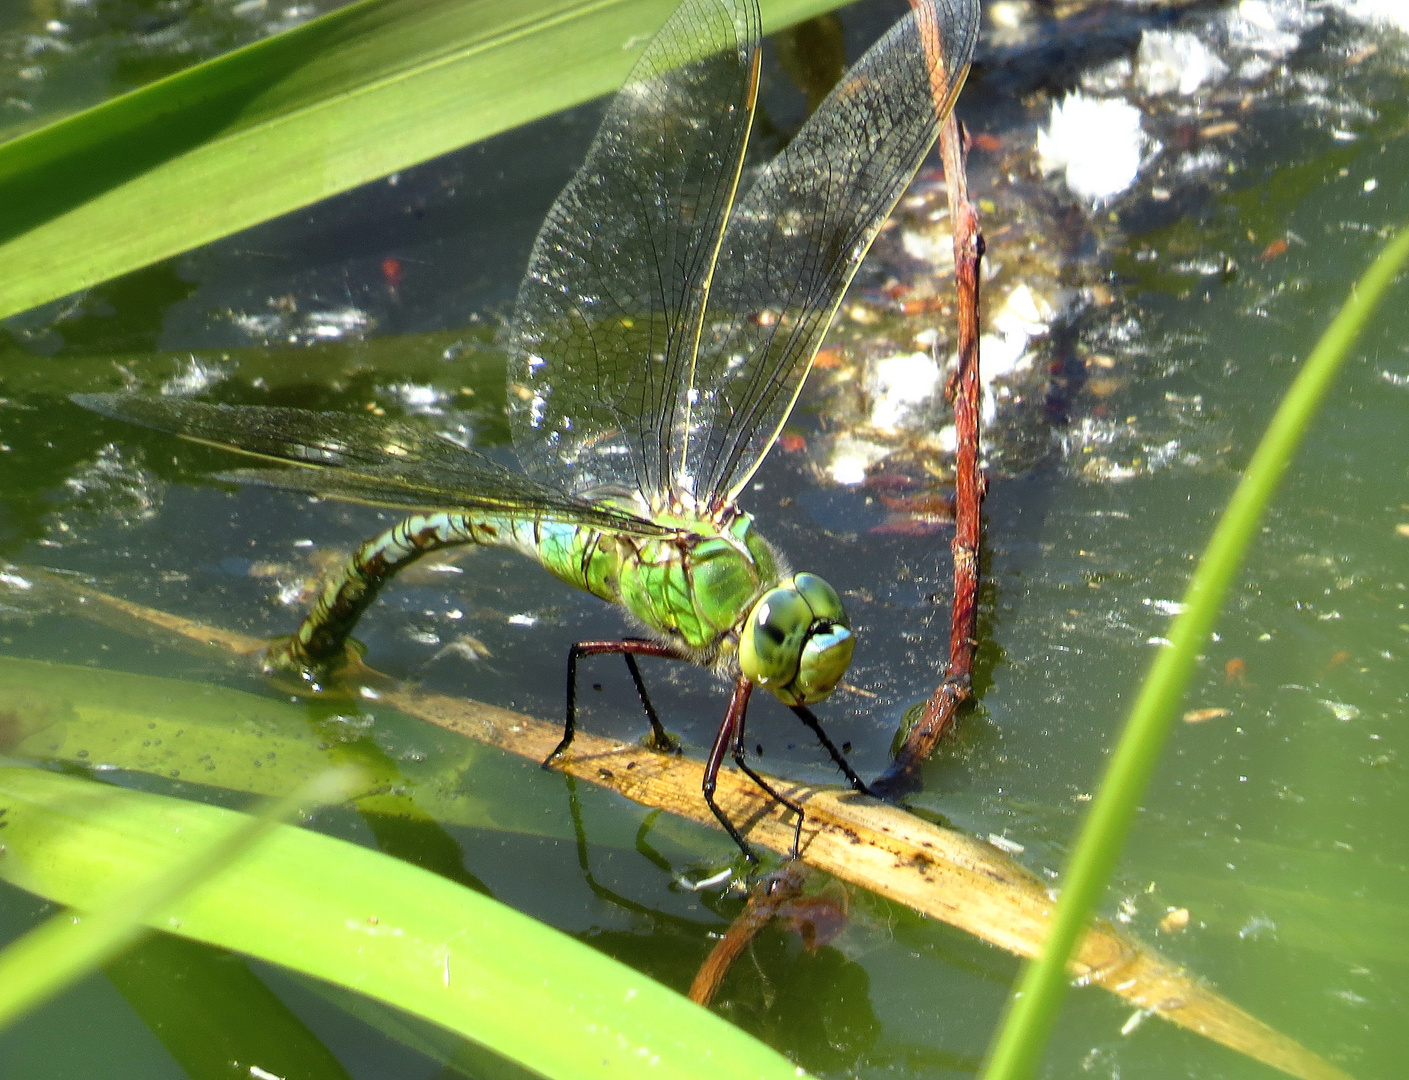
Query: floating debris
point(1175, 62)
point(1097, 144)
point(196, 377)
point(1199, 716)
point(1342, 711)
point(465, 647)
point(898, 386)
point(1002, 843)
point(1175, 921)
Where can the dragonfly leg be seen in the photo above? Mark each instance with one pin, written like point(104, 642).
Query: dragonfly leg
point(731, 737)
point(795, 807)
point(661, 739)
point(804, 714)
point(629, 648)
point(729, 732)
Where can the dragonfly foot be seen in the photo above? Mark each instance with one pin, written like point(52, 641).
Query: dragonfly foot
point(558, 753)
point(661, 741)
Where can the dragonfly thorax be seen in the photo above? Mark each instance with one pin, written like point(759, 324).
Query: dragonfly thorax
point(796, 640)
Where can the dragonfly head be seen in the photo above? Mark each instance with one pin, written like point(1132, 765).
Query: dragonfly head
point(797, 640)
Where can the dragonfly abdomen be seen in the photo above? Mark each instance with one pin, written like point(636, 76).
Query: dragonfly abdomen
point(321, 642)
point(693, 586)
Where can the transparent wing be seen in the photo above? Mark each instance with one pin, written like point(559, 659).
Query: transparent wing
point(603, 336)
point(800, 231)
point(362, 459)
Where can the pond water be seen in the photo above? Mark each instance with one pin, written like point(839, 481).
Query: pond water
point(1175, 311)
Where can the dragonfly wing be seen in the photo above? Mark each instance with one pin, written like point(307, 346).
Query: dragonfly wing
point(603, 337)
point(799, 233)
point(364, 459)
point(499, 493)
point(295, 436)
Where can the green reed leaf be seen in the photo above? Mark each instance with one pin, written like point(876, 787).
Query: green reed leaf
point(367, 922)
point(358, 94)
point(1032, 1010)
point(66, 947)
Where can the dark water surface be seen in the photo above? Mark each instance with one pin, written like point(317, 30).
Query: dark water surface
point(1276, 821)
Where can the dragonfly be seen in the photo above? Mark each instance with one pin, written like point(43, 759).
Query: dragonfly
point(672, 307)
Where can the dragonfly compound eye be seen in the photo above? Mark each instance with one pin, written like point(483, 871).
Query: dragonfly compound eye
point(825, 659)
point(795, 641)
point(821, 598)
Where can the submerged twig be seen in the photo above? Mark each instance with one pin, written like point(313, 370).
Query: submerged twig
point(779, 896)
point(938, 872)
point(771, 892)
point(964, 389)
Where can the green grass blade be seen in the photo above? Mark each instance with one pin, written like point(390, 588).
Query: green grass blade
point(366, 922)
point(1032, 1010)
point(358, 94)
point(62, 950)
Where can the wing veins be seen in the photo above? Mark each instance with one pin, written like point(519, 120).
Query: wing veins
point(797, 236)
point(650, 206)
point(427, 470)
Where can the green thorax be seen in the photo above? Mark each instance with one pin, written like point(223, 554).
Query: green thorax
point(695, 585)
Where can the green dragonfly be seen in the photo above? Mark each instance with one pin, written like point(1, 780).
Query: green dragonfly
point(662, 332)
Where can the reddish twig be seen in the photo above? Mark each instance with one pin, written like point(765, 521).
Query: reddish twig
point(903, 776)
point(816, 918)
point(771, 893)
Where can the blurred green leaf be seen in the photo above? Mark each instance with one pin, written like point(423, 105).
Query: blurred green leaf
point(1018, 1045)
point(197, 733)
point(322, 374)
point(367, 922)
point(356, 95)
point(63, 949)
point(216, 736)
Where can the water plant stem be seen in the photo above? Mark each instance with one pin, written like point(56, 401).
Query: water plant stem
point(772, 892)
point(1032, 1009)
point(903, 775)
